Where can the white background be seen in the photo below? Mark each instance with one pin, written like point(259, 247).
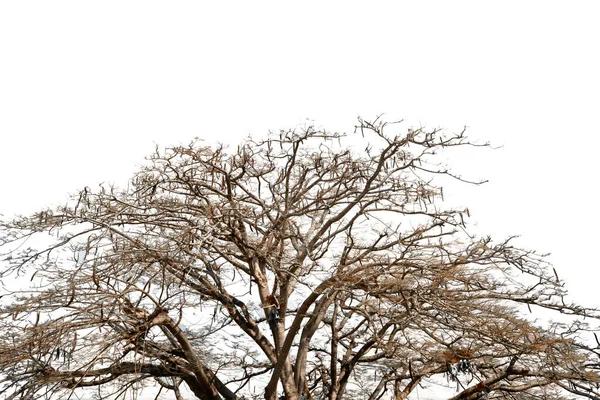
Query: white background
point(88, 88)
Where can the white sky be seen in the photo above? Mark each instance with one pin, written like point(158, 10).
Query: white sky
point(88, 88)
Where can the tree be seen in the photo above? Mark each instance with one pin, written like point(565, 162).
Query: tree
point(303, 264)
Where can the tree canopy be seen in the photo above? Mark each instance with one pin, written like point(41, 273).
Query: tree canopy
point(311, 264)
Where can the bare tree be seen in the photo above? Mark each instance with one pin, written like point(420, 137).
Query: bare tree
point(314, 264)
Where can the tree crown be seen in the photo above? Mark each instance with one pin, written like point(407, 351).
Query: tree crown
point(316, 264)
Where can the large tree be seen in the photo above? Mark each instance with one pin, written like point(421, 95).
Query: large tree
point(314, 264)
